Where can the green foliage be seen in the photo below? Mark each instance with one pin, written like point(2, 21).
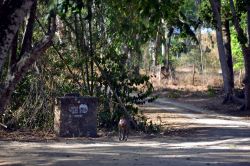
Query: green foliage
point(211, 91)
point(206, 14)
point(208, 60)
point(130, 87)
point(178, 46)
point(173, 94)
point(148, 127)
point(122, 26)
point(108, 33)
point(241, 5)
point(238, 60)
point(22, 90)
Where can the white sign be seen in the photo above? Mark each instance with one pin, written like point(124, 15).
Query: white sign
point(83, 109)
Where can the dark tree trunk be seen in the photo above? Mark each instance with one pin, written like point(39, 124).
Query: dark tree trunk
point(168, 45)
point(246, 80)
point(229, 59)
point(91, 51)
point(246, 53)
point(12, 14)
point(157, 46)
point(248, 24)
point(27, 39)
point(13, 56)
point(245, 50)
point(167, 64)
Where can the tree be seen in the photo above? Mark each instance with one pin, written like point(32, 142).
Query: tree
point(224, 56)
point(226, 19)
point(244, 41)
point(12, 14)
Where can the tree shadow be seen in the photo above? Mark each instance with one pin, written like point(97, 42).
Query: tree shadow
point(202, 146)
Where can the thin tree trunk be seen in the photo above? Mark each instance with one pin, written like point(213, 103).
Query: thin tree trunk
point(83, 47)
point(80, 45)
point(168, 54)
point(248, 24)
point(167, 61)
point(157, 46)
point(201, 52)
point(201, 55)
point(91, 51)
point(193, 74)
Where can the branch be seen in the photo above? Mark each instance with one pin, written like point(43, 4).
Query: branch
point(24, 64)
point(61, 57)
point(30, 57)
point(27, 39)
point(3, 125)
point(11, 16)
point(239, 30)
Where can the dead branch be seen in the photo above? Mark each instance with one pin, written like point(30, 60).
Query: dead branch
point(3, 125)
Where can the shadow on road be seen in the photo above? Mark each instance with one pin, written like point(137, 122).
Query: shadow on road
point(203, 146)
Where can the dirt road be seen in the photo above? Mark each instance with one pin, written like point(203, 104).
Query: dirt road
point(211, 139)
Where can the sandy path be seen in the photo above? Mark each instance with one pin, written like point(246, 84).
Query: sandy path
point(211, 140)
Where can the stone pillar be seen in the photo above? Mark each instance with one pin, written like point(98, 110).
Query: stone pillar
point(76, 116)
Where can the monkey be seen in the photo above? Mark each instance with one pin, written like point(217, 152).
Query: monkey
point(123, 127)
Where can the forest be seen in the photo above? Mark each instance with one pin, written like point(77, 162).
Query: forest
point(172, 77)
point(119, 52)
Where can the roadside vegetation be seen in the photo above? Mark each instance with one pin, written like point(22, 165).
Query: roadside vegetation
point(125, 53)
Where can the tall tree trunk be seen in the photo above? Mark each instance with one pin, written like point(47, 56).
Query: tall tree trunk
point(157, 46)
point(27, 39)
point(246, 81)
point(138, 59)
point(245, 50)
point(11, 16)
point(201, 53)
point(222, 55)
point(13, 54)
point(248, 24)
point(168, 45)
point(193, 75)
point(91, 51)
point(167, 65)
point(247, 64)
point(229, 59)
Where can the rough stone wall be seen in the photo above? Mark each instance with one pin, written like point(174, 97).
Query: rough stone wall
point(76, 116)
